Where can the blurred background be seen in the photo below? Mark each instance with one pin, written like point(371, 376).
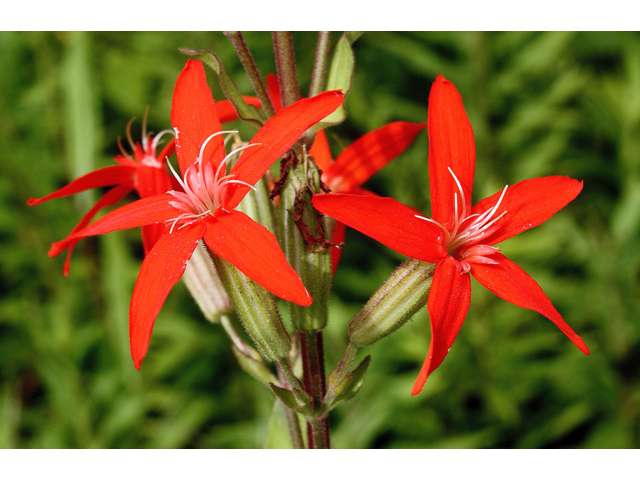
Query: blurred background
point(552, 103)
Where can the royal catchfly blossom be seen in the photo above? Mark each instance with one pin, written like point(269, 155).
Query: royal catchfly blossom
point(144, 172)
point(459, 237)
point(205, 207)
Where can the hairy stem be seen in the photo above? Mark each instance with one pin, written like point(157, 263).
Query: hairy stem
point(250, 67)
point(318, 75)
point(286, 65)
point(311, 346)
point(293, 424)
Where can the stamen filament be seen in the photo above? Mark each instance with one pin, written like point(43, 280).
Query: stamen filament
point(475, 229)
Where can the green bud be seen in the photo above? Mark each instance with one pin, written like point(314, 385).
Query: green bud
point(404, 293)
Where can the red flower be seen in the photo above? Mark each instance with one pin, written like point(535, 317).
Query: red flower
point(145, 172)
point(205, 207)
point(358, 163)
point(460, 237)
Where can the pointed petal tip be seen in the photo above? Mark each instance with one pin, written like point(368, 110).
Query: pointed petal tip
point(306, 301)
point(417, 388)
point(137, 363)
point(33, 201)
point(581, 346)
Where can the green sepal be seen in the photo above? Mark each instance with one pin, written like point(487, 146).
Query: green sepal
point(348, 386)
point(299, 402)
point(404, 293)
point(340, 77)
point(251, 363)
point(257, 311)
point(308, 254)
point(245, 111)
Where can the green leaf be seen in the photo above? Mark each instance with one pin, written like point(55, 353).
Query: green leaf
point(340, 78)
point(254, 366)
point(278, 430)
point(350, 385)
point(288, 398)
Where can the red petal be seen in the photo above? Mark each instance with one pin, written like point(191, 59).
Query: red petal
point(152, 181)
point(254, 251)
point(275, 137)
point(337, 237)
point(528, 204)
point(152, 233)
point(448, 305)
point(511, 283)
point(104, 177)
point(111, 197)
point(167, 151)
point(227, 112)
point(367, 155)
point(273, 89)
point(320, 151)
point(450, 146)
point(386, 220)
point(193, 115)
point(146, 211)
point(160, 271)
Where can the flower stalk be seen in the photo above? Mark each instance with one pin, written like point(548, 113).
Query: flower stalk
point(311, 346)
point(286, 65)
point(319, 72)
point(242, 50)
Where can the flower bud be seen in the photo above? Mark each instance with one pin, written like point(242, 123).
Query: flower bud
point(404, 293)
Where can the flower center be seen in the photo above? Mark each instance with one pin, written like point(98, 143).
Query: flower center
point(468, 230)
point(203, 189)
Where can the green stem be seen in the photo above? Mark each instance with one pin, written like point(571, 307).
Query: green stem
point(286, 65)
point(311, 346)
point(240, 344)
point(250, 67)
point(320, 64)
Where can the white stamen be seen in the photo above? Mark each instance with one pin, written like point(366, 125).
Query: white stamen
point(156, 139)
point(209, 138)
point(474, 230)
point(204, 189)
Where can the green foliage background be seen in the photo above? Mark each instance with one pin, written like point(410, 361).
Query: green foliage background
point(540, 104)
